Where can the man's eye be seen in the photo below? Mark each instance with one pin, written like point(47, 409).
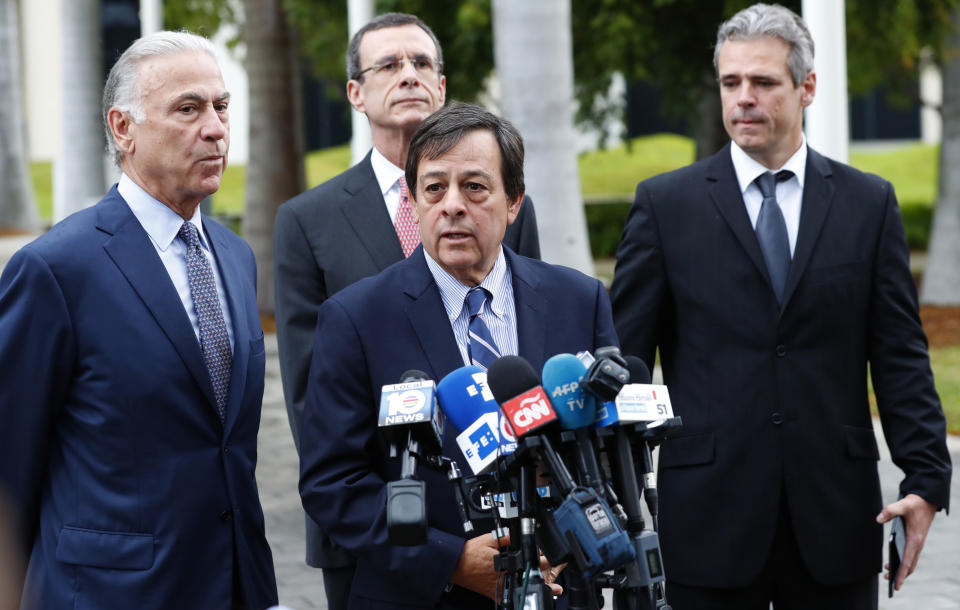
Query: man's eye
point(221, 107)
point(187, 109)
point(432, 188)
point(422, 63)
point(389, 66)
point(474, 186)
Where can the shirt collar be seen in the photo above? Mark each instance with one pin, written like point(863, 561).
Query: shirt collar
point(453, 292)
point(747, 168)
point(386, 172)
point(160, 222)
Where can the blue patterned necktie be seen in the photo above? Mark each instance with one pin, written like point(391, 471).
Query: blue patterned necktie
point(480, 345)
point(214, 340)
point(772, 231)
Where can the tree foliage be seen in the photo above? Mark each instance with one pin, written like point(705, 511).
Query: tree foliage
point(666, 42)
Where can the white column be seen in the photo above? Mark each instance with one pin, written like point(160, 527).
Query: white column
point(931, 97)
point(827, 119)
point(79, 170)
point(151, 16)
point(359, 13)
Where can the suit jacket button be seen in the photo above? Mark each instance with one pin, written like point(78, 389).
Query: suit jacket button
point(226, 516)
point(781, 350)
point(226, 449)
point(777, 419)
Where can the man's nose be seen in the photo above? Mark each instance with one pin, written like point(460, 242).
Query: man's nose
point(408, 74)
point(214, 125)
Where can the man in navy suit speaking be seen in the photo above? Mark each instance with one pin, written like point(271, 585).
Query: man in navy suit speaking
point(133, 366)
point(465, 170)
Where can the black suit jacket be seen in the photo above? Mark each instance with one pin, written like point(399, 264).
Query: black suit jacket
point(774, 400)
point(367, 336)
point(326, 239)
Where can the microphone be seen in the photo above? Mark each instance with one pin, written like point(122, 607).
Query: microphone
point(562, 377)
point(582, 526)
point(410, 417)
point(468, 403)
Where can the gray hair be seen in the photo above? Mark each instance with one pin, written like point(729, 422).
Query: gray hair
point(387, 20)
point(122, 90)
point(444, 129)
point(762, 20)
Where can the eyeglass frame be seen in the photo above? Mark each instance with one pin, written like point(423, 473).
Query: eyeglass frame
point(377, 67)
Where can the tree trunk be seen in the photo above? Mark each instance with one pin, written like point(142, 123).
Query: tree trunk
point(941, 280)
point(711, 135)
point(78, 172)
point(18, 210)
point(534, 61)
point(275, 170)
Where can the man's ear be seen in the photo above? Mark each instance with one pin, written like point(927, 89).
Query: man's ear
point(809, 85)
point(513, 207)
point(123, 129)
point(355, 96)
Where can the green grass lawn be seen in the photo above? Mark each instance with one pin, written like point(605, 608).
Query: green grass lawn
point(946, 374)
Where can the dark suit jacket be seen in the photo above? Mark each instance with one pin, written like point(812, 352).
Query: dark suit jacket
point(776, 398)
point(326, 239)
point(129, 491)
point(367, 336)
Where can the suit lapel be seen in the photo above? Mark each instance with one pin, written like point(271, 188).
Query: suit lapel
point(725, 192)
point(428, 316)
point(366, 212)
point(818, 190)
point(530, 307)
point(233, 284)
point(131, 251)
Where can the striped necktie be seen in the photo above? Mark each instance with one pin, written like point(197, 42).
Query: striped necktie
point(480, 345)
point(214, 340)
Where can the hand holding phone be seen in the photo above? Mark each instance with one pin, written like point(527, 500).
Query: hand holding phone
point(898, 538)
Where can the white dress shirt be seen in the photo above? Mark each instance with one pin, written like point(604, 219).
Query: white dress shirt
point(162, 225)
point(387, 175)
point(789, 192)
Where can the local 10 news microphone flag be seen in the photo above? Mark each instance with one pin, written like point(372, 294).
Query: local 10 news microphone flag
point(483, 434)
point(412, 422)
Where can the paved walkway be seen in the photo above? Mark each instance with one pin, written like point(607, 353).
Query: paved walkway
point(935, 585)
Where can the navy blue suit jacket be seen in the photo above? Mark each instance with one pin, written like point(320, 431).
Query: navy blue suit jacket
point(369, 334)
point(326, 239)
point(774, 399)
point(129, 493)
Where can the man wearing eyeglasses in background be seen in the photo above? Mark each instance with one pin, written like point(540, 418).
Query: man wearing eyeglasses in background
point(360, 222)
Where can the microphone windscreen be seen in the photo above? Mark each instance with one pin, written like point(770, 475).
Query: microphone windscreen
point(413, 375)
point(562, 376)
point(639, 372)
point(510, 376)
point(465, 397)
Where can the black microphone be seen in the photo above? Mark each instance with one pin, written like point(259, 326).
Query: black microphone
point(412, 422)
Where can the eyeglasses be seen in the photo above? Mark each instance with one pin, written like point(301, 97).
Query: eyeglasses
point(391, 66)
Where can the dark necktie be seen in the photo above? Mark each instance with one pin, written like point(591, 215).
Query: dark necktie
point(772, 231)
point(214, 340)
point(480, 345)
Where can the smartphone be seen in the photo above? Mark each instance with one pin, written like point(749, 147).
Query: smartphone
point(898, 538)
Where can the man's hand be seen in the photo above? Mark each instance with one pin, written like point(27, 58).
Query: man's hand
point(475, 569)
point(917, 516)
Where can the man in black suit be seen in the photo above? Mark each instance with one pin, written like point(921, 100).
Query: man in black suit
point(768, 295)
point(348, 228)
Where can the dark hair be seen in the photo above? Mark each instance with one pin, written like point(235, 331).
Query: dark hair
point(387, 20)
point(444, 129)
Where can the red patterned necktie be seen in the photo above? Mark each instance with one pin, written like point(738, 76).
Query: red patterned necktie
point(407, 230)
